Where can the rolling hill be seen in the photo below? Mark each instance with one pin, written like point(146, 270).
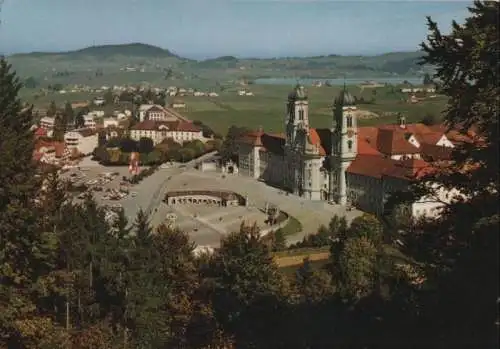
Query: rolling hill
point(142, 62)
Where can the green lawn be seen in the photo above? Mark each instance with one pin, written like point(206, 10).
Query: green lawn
point(267, 107)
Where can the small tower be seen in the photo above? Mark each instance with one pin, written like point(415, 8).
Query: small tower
point(297, 114)
point(313, 161)
point(297, 129)
point(401, 121)
point(344, 144)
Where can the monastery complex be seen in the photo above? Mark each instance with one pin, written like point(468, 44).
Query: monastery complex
point(346, 164)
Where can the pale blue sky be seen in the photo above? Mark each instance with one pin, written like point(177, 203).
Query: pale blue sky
point(210, 28)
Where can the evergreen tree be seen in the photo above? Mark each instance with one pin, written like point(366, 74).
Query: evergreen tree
point(248, 289)
point(69, 113)
point(26, 251)
point(427, 79)
point(313, 286)
point(461, 248)
point(52, 110)
point(80, 120)
point(357, 268)
point(60, 125)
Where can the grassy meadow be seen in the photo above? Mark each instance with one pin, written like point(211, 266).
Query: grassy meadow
point(266, 108)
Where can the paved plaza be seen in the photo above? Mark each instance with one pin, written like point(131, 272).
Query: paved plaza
point(207, 224)
point(312, 214)
point(207, 228)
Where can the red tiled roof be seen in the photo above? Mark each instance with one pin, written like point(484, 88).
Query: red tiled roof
point(152, 125)
point(185, 126)
point(261, 139)
point(369, 165)
point(252, 138)
point(429, 138)
point(408, 169)
point(315, 140)
point(367, 141)
point(37, 156)
point(86, 132)
point(40, 132)
point(432, 152)
point(378, 167)
point(60, 148)
point(273, 143)
point(391, 141)
point(43, 144)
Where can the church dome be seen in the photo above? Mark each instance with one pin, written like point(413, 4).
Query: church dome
point(345, 98)
point(298, 93)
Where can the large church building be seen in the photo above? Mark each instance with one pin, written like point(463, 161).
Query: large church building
point(345, 164)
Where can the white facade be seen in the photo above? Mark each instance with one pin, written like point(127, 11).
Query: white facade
point(83, 144)
point(160, 131)
point(361, 167)
point(89, 122)
point(47, 123)
point(110, 122)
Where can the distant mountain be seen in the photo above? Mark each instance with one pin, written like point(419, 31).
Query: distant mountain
point(133, 49)
point(137, 62)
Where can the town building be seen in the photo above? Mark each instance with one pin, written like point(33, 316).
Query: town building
point(179, 131)
point(178, 104)
point(47, 122)
point(51, 152)
point(89, 122)
point(110, 122)
point(83, 141)
point(345, 164)
point(155, 112)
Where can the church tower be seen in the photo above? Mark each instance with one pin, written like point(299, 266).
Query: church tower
point(344, 144)
point(297, 114)
point(297, 129)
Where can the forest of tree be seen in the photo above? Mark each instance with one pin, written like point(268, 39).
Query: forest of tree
point(72, 278)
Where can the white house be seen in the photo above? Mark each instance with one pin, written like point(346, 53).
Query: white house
point(99, 101)
point(51, 152)
point(83, 140)
point(47, 123)
point(178, 105)
point(108, 122)
point(213, 94)
point(89, 122)
point(179, 131)
point(155, 113)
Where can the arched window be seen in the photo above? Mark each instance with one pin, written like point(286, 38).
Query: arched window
point(349, 145)
point(349, 120)
point(301, 115)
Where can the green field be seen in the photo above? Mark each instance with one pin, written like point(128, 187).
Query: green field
point(267, 107)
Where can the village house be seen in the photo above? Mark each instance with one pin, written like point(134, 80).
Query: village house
point(179, 131)
point(47, 123)
point(99, 101)
point(155, 112)
point(84, 140)
point(177, 104)
point(39, 132)
point(89, 121)
point(51, 152)
point(81, 104)
point(347, 164)
point(108, 122)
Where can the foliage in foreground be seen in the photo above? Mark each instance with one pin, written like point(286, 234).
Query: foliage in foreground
point(71, 277)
